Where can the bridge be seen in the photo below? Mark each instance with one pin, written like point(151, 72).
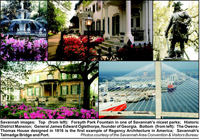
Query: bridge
point(180, 102)
point(152, 114)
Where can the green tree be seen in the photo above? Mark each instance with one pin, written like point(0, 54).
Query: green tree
point(13, 73)
point(10, 9)
point(89, 72)
point(57, 16)
point(40, 7)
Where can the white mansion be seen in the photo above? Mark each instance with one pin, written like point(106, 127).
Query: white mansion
point(111, 18)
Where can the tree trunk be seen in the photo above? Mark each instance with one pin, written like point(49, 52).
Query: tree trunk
point(86, 98)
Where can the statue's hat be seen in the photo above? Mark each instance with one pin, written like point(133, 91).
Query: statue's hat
point(177, 4)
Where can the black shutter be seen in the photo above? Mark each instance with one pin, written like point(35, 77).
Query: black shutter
point(117, 25)
point(113, 25)
point(103, 25)
point(108, 25)
point(99, 25)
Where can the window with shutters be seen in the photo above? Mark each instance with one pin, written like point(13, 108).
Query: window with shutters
point(50, 76)
point(37, 91)
point(64, 76)
point(37, 78)
point(93, 8)
point(74, 89)
point(74, 76)
point(29, 92)
point(64, 90)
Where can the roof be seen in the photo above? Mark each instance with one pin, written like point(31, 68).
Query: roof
point(76, 5)
point(74, 19)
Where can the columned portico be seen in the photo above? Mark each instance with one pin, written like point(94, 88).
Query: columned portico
point(106, 35)
point(52, 90)
point(121, 9)
point(49, 88)
point(145, 19)
point(82, 16)
point(83, 26)
point(128, 35)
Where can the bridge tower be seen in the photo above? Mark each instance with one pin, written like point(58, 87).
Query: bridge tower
point(158, 89)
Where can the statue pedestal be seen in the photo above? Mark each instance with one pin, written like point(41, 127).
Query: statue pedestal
point(174, 59)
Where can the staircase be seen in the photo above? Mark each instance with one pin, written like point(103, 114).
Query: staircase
point(112, 43)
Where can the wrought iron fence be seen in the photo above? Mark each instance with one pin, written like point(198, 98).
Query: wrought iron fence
point(129, 52)
point(138, 35)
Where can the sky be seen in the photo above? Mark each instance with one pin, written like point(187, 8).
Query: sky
point(72, 12)
point(131, 66)
point(122, 66)
point(182, 65)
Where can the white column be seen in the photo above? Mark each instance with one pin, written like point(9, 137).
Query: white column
point(52, 89)
point(145, 19)
point(106, 35)
point(158, 89)
point(57, 89)
point(83, 26)
point(102, 16)
point(43, 91)
point(128, 34)
point(121, 18)
point(150, 21)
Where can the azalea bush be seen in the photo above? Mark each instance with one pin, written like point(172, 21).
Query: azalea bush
point(27, 112)
point(94, 41)
point(136, 53)
point(76, 49)
point(16, 49)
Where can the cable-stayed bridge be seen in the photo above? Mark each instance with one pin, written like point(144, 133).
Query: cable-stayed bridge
point(156, 90)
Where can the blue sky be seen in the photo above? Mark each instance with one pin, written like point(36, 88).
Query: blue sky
point(131, 66)
point(182, 65)
point(122, 66)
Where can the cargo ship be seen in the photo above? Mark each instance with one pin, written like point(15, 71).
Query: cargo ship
point(171, 88)
point(111, 106)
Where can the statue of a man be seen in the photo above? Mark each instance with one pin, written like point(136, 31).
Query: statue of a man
point(179, 31)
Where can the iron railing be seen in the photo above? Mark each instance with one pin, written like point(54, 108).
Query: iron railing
point(138, 35)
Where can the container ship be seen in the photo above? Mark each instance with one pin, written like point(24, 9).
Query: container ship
point(171, 88)
point(111, 106)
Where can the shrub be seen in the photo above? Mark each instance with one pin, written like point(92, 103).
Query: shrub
point(14, 49)
point(50, 34)
point(74, 49)
point(27, 112)
point(62, 98)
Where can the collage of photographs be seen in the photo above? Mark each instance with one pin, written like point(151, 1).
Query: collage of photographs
point(110, 59)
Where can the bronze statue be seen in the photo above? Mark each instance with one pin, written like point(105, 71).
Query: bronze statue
point(179, 32)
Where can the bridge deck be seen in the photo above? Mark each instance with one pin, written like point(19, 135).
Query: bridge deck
point(124, 113)
point(135, 113)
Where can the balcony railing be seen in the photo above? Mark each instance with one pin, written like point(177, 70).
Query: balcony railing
point(138, 35)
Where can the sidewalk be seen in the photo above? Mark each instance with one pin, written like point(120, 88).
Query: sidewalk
point(53, 42)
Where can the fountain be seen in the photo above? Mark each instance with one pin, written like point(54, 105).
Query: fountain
point(23, 26)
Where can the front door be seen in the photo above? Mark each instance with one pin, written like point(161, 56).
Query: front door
point(115, 25)
point(47, 90)
point(135, 18)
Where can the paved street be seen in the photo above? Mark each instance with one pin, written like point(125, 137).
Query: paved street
point(53, 42)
